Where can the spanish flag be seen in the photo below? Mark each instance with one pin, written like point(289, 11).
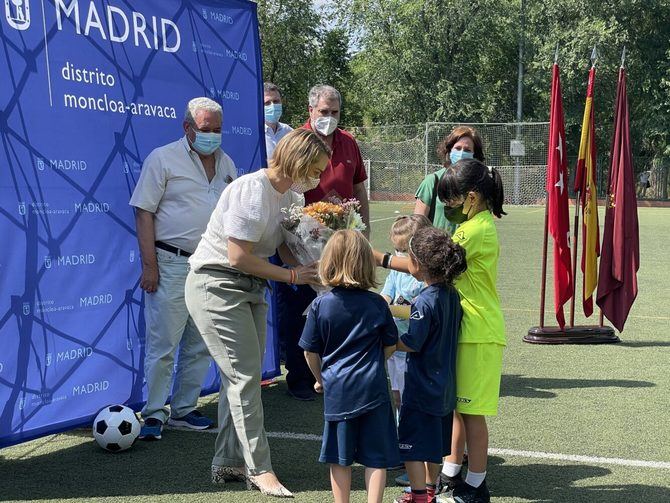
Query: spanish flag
point(585, 184)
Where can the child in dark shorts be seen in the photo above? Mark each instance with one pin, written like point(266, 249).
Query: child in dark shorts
point(429, 397)
point(348, 333)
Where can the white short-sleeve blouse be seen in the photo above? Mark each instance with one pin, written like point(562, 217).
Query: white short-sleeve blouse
point(250, 210)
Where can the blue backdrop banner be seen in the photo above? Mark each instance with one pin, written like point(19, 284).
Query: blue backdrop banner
point(87, 90)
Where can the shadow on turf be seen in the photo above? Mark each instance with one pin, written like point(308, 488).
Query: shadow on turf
point(538, 387)
point(644, 344)
point(556, 484)
point(178, 464)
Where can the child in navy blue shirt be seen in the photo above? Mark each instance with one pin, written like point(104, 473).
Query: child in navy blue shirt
point(400, 288)
point(348, 333)
point(429, 398)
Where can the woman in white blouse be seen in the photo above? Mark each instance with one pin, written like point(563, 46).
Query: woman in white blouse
point(225, 295)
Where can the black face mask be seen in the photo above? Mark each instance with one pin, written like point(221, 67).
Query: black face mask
point(455, 215)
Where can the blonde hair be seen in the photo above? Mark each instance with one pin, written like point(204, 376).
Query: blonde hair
point(403, 229)
point(297, 152)
point(347, 261)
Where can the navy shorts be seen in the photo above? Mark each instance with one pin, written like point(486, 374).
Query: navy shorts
point(369, 439)
point(423, 437)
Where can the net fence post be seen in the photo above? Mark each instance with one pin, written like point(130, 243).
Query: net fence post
point(425, 153)
point(367, 164)
point(517, 169)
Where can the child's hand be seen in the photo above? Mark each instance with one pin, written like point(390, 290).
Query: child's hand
point(318, 387)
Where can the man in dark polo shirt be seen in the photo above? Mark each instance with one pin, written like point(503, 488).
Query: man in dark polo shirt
point(344, 177)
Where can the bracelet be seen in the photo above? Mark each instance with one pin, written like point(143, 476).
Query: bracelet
point(291, 280)
point(297, 277)
point(386, 260)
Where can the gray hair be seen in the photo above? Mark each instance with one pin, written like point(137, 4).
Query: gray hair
point(201, 103)
point(269, 87)
point(327, 92)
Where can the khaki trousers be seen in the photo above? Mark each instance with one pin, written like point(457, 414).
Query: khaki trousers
point(230, 312)
point(170, 331)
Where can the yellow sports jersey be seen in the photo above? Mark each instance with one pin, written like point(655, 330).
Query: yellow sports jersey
point(482, 317)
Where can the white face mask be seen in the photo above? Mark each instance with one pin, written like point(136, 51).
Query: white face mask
point(325, 125)
point(302, 187)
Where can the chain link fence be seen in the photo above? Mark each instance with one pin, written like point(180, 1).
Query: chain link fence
point(398, 157)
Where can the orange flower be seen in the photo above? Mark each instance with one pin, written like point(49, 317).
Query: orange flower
point(323, 211)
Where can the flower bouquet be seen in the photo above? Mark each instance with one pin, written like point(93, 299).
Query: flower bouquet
point(307, 229)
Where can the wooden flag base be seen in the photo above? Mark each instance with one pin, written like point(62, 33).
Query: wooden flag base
point(571, 335)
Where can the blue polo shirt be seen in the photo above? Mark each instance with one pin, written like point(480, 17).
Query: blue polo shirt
point(348, 328)
point(430, 380)
point(402, 287)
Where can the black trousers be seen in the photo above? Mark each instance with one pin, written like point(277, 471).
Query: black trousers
point(290, 302)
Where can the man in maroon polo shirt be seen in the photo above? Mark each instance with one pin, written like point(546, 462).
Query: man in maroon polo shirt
point(344, 177)
point(345, 174)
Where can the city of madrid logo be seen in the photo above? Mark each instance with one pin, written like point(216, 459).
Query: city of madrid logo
point(17, 13)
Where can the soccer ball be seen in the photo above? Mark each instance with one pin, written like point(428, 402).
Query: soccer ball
point(116, 428)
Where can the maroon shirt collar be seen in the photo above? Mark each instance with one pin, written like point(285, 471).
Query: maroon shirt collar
point(336, 135)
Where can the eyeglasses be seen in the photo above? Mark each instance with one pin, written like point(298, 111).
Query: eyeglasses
point(216, 130)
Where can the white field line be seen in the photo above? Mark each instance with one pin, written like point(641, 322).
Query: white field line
point(593, 460)
point(382, 219)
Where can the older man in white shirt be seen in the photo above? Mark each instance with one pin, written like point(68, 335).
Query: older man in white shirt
point(175, 195)
point(273, 108)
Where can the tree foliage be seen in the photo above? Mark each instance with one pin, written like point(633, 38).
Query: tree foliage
point(299, 53)
point(289, 45)
point(411, 61)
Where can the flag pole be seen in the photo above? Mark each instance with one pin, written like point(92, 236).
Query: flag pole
point(543, 289)
point(575, 241)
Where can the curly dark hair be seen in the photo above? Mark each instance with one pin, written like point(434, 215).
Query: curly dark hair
point(437, 255)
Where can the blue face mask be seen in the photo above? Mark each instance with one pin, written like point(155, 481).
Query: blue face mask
point(206, 143)
point(273, 112)
point(457, 155)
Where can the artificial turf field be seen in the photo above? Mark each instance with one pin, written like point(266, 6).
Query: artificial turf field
point(575, 424)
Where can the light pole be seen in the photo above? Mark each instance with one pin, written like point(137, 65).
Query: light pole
point(519, 108)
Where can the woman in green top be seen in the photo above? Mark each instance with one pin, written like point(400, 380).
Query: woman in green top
point(473, 193)
point(463, 142)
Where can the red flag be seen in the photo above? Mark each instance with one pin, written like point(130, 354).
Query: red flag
point(620, 260)
point(585, 183)
point(557, 193)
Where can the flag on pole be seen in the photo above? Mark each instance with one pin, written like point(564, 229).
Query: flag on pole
point(620, 259)
point(557, 194)
point(585, 184)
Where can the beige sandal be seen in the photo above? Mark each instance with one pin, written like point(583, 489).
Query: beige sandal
point(278, 491)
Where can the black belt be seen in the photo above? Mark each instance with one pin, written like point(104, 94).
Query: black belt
point(172, 249)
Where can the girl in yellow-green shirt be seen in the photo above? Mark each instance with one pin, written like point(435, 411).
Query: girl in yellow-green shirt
point(472, 193)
